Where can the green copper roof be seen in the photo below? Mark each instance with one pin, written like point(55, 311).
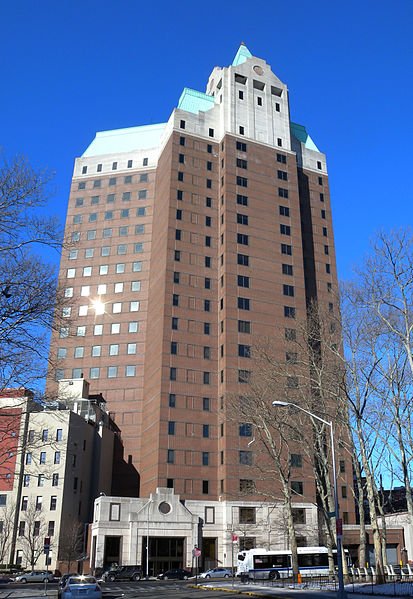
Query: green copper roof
point(194, 101)
point(300, 132)
point(241, 56)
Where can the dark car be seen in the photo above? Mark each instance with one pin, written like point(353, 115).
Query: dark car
point(176, 573)
point(123, 573)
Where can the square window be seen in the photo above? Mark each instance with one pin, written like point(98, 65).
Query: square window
point(115, 328)
point(133, 327)
point(112, 372)
point(114, 349)
point(94, 372)
point(130, 370)
point(136, 266)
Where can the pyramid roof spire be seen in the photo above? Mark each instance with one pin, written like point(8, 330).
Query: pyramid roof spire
point(242, 55)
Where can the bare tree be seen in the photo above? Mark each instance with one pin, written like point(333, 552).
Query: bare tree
point(7, 513)
point(27, 279)
point(71, 543)
point(32, 532)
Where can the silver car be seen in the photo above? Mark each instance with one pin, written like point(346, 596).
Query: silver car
point(216, 573)
point(34, 576)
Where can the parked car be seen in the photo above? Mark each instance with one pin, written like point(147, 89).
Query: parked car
point(34, 576)
point(4, 579)
point(176, 573)
point(123, 573)
point(62, 583)
point(216, 573)
point(79, 586)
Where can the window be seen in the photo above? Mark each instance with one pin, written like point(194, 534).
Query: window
point(286, 249)
point(114, 349)
point(133, 327)
point(344, 492)
point(205, 431)
point(241, 163)
point(45, 434)
point(325, 233)
point(244, 351)
point(207, 261)
point(244, 326)
point(208, 202)
point(241, 146)
point(170, 457)
point(245, 458)
point(25, 501)
point(180, 176)
point(22, 527)
point(39, 503)
point(242, 200)
point(93, 217)
point(320, 180)
point(242, 219)
point(112, 372)
point(281, 158)
point(94, 372)
point(82, 185)
point(40, 480)
point(207, 328)
point(242, 181)
point(174, 323)
point(209, 515)
point(326, 250)
point(177, 256)
point(298, 515)
point(205, 458)
point(247, 487)
point(283, 193)
point(323, 214)
point(114, 512)
point(287, 269)
point(342, 466)
point(245, 429)
point(26, 480)
point(131, 349)
point(42, 457)
point(283, 175)
point(172, 400)
point(207, 283)
point(53, 502)
point(243, 303)
point(211, 132)
point(174, 348)
point(242, 239)
point(285, 229)
point(243, 260)
point(241, 130)
point(247, 515)
point(103, 269)
point(171, 427)
point(244, 376)
point(206, 403)
point(207, 305)
point(172, 374)
point(205, 487)
point(182, 125)
point(207, 353)
point(134, 306)
point(296, 460)
point(136, 266)
point(288, 290)
point(110, 198)
point(179, 215)
point(56, 457)
point(206, 378)
point(297, 487)
point(87, 271)
point(289, 312)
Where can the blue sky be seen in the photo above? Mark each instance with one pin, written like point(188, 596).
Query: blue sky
point(72, 68)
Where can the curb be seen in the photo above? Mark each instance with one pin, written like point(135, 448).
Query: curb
point(233, 590)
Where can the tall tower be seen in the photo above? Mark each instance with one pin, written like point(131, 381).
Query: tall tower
point(191, 239)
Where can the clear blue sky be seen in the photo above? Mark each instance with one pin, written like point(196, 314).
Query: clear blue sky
point(72, 68)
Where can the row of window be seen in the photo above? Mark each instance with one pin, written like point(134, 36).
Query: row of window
point(99, 166)
point(117, 308)
point(114, 329)
point(38, 528)
point(97, 183)
point(114, 349)
point(119, 268)
point(29, 459)
point(39, 503)
point(93, 217)
point(45, 435)
point(110, 372)
point(41, 478)
point(87, 271)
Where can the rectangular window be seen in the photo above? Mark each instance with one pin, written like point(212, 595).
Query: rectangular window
point(285, 229)
point(245, 458)
point(245, 429)
point(171, 428)
point(296, 460)
point(205, 458)
point(297, 487)
point(55, 480)
point(172, 374)
point(170, 456)
point(244, 376)
point(289, 312)
point(283, 193)
point(241, 163)
point(242, 239)
point(205, 487)
point(244, 351)
point(243, 303)
point(205, 431)
point(288, 290)
point(287, 269)
point(286, 249)
point(244, 326)
point(247, 515)
point(242, 181)
point(243, 281)
point(242, 219)
point(298, 515)
point(243, 259)
point(283, 175)
point(284, 211)
point(281, 158)
point(242, 200)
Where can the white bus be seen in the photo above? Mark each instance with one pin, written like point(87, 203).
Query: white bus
point(263, 564)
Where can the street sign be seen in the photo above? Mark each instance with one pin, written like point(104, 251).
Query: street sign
point(196, 552)
point(234, 538)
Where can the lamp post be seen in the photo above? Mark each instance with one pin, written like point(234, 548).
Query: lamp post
point(339, 528)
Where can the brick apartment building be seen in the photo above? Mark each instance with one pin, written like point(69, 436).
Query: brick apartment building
point(191, 239)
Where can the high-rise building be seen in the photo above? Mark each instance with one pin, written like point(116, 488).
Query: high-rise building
point(192, 239)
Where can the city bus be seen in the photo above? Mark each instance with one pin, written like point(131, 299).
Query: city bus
point(270, 565)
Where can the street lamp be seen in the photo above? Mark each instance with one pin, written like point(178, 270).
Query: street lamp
point(339, 532)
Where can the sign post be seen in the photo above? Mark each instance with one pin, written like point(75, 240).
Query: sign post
point(196, 553)
point(46, 550)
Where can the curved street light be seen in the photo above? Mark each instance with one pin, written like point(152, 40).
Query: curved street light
point(339, 528)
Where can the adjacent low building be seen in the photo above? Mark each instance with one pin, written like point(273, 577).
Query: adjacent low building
point(57, 458)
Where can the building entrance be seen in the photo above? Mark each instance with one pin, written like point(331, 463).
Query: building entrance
point(112, 551)
point(164, 553)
